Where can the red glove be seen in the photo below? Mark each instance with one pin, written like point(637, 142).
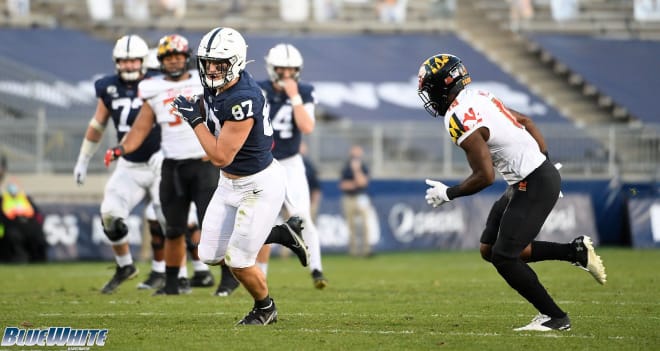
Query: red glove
point(112, 154)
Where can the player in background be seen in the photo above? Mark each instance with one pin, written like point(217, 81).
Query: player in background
point(292, 114)
point(494, 137)
point(202, 276)
point(187, 175)
point(237, 136)
point(136, 175)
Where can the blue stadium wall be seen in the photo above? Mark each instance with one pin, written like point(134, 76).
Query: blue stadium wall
point(612, 213)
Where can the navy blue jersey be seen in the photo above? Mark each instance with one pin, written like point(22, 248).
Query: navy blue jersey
point(347, 174)
point(242, 101)
point(287, 136)
point(121, 99)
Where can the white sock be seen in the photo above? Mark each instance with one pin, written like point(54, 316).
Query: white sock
point(183, 271)
point(124, 260)
point(264, 267)
point(158, 266)
point(199, 266)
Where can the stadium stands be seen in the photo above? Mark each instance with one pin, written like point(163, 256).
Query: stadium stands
point(620, 69)
point(371, 78)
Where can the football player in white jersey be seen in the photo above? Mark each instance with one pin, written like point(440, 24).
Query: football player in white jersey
point(137, 174)
point(187, 175)
point(494, 137)
point(238, 138)
point(292, 114)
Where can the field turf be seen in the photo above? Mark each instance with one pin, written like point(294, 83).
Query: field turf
point(436, 300)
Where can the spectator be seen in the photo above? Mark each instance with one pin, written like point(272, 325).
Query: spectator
point(22, 239)
point(177, 8)
point(294, 10)
point(443, 8)
point(136, 10)
point(521, 12)
point(325, 10)
point(355, 201)
point(647, 10)
point(18, 8)
point(100, 10)
point(564, 10)
point(392, 11)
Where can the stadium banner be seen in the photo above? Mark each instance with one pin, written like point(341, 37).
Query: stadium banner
point(406, 222)
point(399, 220)
point(644, 215)
point(74, 232)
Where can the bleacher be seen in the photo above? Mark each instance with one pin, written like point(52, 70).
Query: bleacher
point(260, 20)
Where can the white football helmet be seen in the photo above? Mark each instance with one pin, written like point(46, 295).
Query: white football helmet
point(130, 47)
point(221, 44)
point(283, 55)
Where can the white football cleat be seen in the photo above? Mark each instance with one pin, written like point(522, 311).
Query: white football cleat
point(588, 260)
point(545, 323)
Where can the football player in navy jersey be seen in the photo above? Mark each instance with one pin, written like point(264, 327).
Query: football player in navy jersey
point(137, 174)
point(292, 114)
point(238, 138)
point(495, 138)
point(187, 174)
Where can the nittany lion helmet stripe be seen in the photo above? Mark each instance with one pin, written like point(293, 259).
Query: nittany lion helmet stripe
point(208, 46)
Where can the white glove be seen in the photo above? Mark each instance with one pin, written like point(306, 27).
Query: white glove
point(436, 195)
point(80, 171)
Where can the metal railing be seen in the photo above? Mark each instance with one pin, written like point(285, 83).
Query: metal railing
point(393, 150)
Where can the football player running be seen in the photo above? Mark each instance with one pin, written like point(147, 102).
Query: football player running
point(495, 137)
point(237, 136)
point(137, 174)
point(292, 114)
point(187, 175)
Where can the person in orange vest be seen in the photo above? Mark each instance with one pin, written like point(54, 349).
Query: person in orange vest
point(22, 239)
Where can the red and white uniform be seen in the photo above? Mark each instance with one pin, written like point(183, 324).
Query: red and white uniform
point(178, 141)
point(514, 151)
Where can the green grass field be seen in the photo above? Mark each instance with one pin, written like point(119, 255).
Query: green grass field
point(410, 301)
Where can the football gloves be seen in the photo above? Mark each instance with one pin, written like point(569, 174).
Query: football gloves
point(112, 154)
point(80, 171)
point(436, 195)
point(188, 110)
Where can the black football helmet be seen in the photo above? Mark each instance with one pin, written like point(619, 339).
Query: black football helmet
point(441, 78)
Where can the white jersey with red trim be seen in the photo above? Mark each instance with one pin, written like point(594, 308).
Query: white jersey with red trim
point(514, 151)
point(178, 141)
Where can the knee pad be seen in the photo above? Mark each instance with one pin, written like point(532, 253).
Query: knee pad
point(173, 232)
point(209, 258)
point(157, 236)
point(116, 229)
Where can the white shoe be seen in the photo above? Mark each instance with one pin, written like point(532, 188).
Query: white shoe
point(545, 323)
point(588, 259)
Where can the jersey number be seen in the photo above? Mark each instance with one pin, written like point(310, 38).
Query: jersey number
point(125, 105)
point(283, 122)
point(238, 112)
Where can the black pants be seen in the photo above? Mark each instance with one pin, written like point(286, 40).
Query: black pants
point(517, 217)
point(183, 182)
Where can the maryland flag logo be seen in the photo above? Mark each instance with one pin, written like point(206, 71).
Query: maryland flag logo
point(456, 128)
point(435, 64)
